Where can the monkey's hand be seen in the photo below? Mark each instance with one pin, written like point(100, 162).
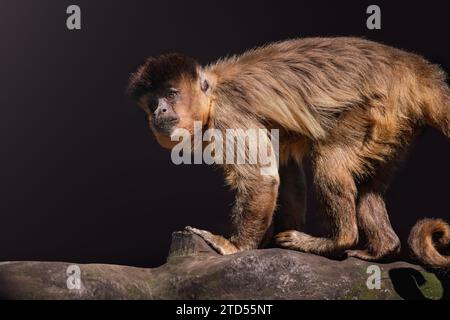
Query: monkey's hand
point(218, 243)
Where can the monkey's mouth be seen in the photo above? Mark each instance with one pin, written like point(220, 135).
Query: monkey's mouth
point(165, 127)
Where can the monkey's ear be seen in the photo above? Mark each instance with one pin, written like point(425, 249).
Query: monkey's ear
point(204, 85)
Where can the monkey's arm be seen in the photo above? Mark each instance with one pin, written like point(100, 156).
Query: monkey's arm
point(252, 212)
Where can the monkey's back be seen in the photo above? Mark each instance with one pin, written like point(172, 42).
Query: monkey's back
point(309, 85)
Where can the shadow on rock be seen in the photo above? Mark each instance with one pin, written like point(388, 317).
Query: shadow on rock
point(412, 284)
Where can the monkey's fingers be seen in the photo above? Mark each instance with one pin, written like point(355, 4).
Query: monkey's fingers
point(218, 243)
point(201, 233)
point(289, 240)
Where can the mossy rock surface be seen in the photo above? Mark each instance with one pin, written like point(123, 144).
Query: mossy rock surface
point(194, 271)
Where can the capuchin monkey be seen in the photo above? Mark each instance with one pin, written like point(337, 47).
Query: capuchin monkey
point(352, 105)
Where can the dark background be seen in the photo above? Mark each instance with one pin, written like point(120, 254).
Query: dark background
point(81, 178)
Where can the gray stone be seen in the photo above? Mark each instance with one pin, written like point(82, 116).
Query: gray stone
point(195, 271)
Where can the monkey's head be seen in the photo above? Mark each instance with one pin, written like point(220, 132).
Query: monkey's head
point(174, 92)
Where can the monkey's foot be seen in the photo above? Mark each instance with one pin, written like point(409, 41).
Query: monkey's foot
point(370, 256)
point(362, 254)
point(218, 243)
point(294, 240)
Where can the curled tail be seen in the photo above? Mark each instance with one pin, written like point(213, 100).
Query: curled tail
point(426, 237)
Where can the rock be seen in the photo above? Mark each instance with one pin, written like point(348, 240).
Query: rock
point(195, 271)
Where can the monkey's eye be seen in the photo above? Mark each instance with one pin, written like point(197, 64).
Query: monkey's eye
point(172, 94)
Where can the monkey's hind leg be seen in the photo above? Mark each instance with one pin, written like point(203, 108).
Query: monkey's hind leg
point(373, 219)
point(337, 191)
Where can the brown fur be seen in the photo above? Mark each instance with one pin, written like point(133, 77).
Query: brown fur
point(353, 105)
point(424, 246)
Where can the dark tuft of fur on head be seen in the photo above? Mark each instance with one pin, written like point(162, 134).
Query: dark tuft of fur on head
point(157, 71)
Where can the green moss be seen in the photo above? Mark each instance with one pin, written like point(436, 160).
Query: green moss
point(432, 288)
point(359, 291)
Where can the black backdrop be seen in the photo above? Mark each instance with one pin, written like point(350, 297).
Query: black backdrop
point(82, 180)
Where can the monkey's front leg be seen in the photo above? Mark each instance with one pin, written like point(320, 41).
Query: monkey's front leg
point(251, 215)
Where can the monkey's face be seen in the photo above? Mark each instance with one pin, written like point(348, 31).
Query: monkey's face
point(175, 106)
point(171, 97)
